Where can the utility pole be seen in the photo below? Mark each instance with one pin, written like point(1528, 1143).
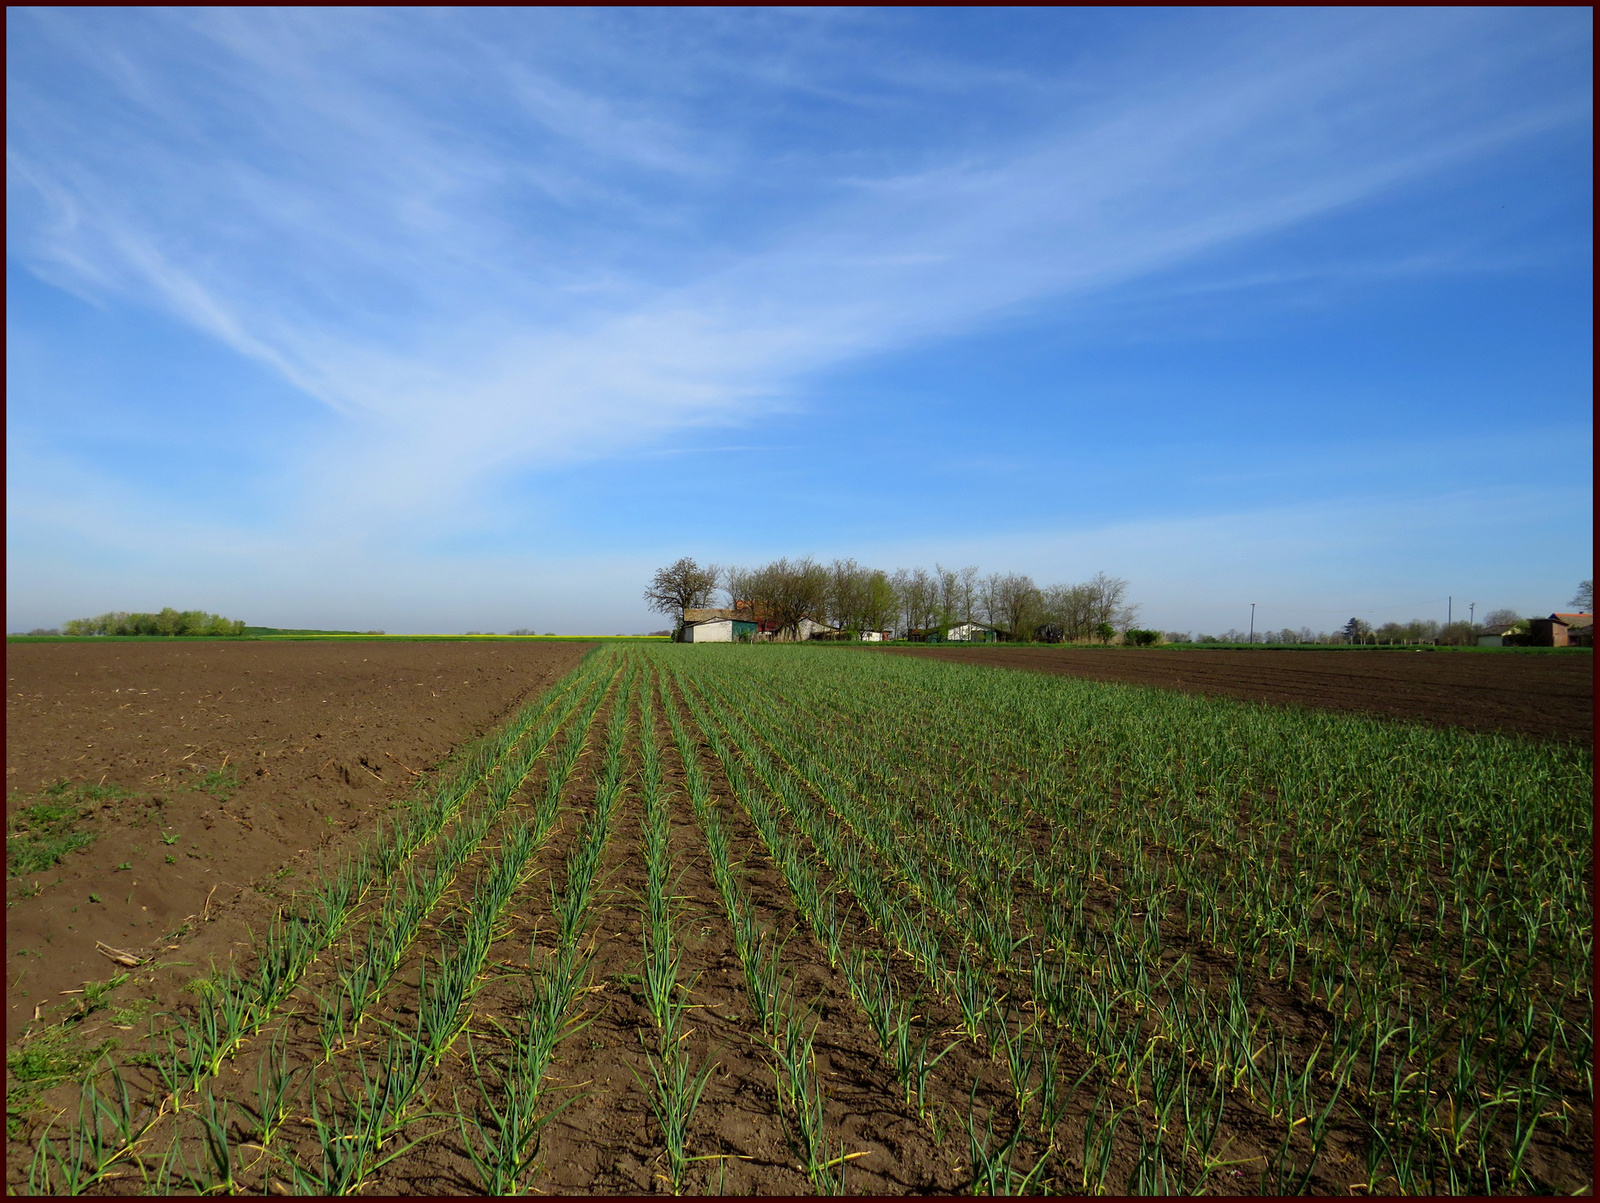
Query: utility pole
point(1252, 622)
point(1449, 610)
point(1472, 614)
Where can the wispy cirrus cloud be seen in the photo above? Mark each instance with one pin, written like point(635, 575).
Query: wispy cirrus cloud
point(492, 245)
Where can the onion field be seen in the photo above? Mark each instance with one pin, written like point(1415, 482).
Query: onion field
point(789, 919)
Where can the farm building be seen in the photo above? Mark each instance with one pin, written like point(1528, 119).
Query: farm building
point(745, 622)
point(1500, 637)
point(1562, 630)
point(718, 630)
point(876, 636)
point(972, 632)
point(718, 626)
point(809, 628)
point(966, 632)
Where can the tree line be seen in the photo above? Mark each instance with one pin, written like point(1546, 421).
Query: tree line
point(856, 597)
point(1358, 630)
point(1418, 630)
point(167, 622)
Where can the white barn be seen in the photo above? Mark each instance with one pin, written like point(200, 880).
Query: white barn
point(717, 630)
point(971, 632)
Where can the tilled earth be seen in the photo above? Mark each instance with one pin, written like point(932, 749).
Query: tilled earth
point(241, 763)
point(1549, 696)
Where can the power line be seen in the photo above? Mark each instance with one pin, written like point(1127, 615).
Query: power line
point(1350, 610)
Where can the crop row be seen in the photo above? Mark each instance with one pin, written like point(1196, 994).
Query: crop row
point(1448, 1073)
point(445, 825)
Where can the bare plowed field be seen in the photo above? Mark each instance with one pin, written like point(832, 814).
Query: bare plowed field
point(1549, 696)
point(215, 774)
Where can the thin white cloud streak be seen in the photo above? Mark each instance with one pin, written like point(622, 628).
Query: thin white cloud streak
point(482, 349)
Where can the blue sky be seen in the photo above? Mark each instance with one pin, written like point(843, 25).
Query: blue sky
point(469, 319)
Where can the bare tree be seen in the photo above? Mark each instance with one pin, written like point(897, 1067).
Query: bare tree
point(1078, 612)
point(856, 597)
point(685, 585)
point(881, 605)
point(847, 594)
point(1011, 602)
point(1584, 598)
point(1085, 611)
point(969, 593)
point(1108, 599)
point(917, 595)
point(1067, 607)
point(947, 588)
point(784, 591)
point(1500, 620)
point(860, 599)
point(736, 582)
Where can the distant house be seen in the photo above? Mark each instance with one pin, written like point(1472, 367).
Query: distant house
point(718, 630)
point(718, 626)
point(876, 636)
point(972, 632)
point(745, 622)
point(1580, 629)
point(966, 632)
point(1504, 636)
point(808, 628)
point(1562, 630)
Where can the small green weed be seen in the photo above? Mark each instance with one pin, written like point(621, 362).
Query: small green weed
point(219, 783)
point(94, 898)
point(94, 993)
point(171, 860)
point(169, 840)
point(39, 834)
point(127, 1016)
point(42, 1060)
point(127, 864)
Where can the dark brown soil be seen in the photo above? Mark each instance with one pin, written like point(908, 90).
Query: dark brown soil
point(1549, 696)
point(320, 737)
